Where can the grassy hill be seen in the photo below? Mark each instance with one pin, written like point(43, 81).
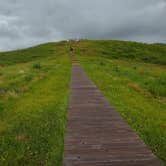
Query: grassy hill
point(34, 91)
point(34, 95)
point(133, 78)
point(148, 53)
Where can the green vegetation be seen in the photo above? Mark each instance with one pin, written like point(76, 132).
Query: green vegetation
point(34, 91)
point(133, 77)
point(30, 54)
point(150, 53)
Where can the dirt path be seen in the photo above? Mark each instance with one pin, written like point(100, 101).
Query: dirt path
point(96, 134)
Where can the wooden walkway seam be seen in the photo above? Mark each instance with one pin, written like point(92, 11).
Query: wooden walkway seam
point(96, 134)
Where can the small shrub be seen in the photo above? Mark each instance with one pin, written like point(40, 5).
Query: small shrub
point(105, 53)
point(28, 78)
point(135, 67)
point(102, 63)
point(116, 69)
point(1, 106)
point(37, 66)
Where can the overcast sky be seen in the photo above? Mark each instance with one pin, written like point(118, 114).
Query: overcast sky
point(24, 23)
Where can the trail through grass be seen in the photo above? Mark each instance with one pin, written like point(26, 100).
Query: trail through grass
point(34, 92)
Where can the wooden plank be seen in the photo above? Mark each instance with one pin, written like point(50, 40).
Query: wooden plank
point(96, 134)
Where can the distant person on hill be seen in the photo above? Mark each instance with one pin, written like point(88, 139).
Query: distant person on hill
point(71, 49)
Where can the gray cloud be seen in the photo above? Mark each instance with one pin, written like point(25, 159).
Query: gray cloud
point(24, 23)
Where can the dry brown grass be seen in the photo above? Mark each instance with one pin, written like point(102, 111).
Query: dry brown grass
point(162, 100)
point(21, 137)
point(137, 88)
point(24, 89)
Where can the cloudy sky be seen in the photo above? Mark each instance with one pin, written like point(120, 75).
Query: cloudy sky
point(24, 23)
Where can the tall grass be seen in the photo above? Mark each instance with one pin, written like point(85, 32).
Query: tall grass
point(33, 103)
point(149, 53)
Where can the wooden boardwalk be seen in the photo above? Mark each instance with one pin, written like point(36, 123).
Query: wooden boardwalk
point(96, 134)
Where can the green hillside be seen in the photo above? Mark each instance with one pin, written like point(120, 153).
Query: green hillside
point(34, 91)
point(133, 78)
point(34, 95)
point(148, 53)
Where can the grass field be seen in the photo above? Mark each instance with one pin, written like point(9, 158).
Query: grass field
point(137, 89)
point(34, 91)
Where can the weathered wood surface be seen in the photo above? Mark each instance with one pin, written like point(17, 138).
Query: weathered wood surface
point(96, 134)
